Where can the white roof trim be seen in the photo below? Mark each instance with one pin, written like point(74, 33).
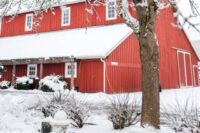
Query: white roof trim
point(90, 43)
point(184, 30)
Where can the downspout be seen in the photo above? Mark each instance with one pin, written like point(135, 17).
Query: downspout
point(104, 74)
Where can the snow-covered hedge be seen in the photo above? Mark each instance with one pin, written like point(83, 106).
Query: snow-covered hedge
point(52, 83)
point(5, 84)
point(23, 83)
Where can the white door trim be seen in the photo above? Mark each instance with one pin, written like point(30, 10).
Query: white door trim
point(185, 69)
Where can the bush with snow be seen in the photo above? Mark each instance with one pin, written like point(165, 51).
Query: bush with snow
point(123, 112)
point(23, 83)
point(57, 102)
point(5, 84)
point(52, 83)
point(77, 111)
point(182, 116)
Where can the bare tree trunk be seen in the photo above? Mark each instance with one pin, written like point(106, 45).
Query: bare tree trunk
point(150, 66)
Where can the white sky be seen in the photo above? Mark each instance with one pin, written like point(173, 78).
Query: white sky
point(185, 8)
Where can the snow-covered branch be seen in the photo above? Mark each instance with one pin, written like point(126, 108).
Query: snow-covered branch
point(182, 19)
point(131, 21)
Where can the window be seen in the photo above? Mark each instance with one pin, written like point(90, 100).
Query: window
point(65, 16)
point(68, 70)
point(29, 22)
point(111, 10)
point(32, 70)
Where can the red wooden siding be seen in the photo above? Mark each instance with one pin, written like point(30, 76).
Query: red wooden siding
point(125, 76)
point(7, 74)
point(181, 68)
point(51, 22)
point(21, 70)
point(196, 77)
point(90, 76)
point(53, 69)
point(170, 40)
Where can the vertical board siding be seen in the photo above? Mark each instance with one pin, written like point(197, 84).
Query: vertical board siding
point(7, 74)
point(196, 77)
point(169, 38)
point(90, 76)
point(51, 20)
point(188, 70)
point(21, 70)
point(53, 69)
point(182, 69)
point(125, 76)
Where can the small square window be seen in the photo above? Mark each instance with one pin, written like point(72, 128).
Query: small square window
point(65, 16)
point(68, 70)
point(32, 70)
point(111, 12)
point(29, 22)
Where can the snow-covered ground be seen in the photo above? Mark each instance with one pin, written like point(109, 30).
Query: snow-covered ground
point(18, 113)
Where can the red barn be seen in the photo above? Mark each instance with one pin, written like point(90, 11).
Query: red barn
point(104, 50)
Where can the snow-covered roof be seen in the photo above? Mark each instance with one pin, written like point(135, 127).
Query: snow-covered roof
point(196, 46)
point(12, 7)
point(93, 42)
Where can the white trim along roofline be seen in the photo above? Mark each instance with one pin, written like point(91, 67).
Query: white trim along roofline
point(190, 42)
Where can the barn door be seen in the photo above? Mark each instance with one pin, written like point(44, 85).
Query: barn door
point(184, 68)
point(196, 75)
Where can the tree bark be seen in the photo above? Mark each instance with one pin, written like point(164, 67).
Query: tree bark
point(150, 66)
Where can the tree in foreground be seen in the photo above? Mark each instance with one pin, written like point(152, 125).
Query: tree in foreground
point(143, 25)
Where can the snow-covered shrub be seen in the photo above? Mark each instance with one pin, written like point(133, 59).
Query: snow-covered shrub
point(77, 111)
point(182, 117)
point(5, 84)
point(52, 83)
point(57, 102)
point(123, 112)
point(23, 83)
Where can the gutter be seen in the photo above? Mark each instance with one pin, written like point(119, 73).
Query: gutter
point(104, 74)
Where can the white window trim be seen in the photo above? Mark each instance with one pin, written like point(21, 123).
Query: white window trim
point(66, 70)
point(63, 9)
point(28, 70)
point(115, 17)
point(26, 27)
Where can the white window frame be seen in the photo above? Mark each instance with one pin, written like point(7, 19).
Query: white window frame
point(28, 70)
point(107, 10)
point(66, 70)
point(63, 10)
point(27, 28)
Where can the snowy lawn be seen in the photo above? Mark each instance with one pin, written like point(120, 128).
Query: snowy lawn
point(18, 112)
